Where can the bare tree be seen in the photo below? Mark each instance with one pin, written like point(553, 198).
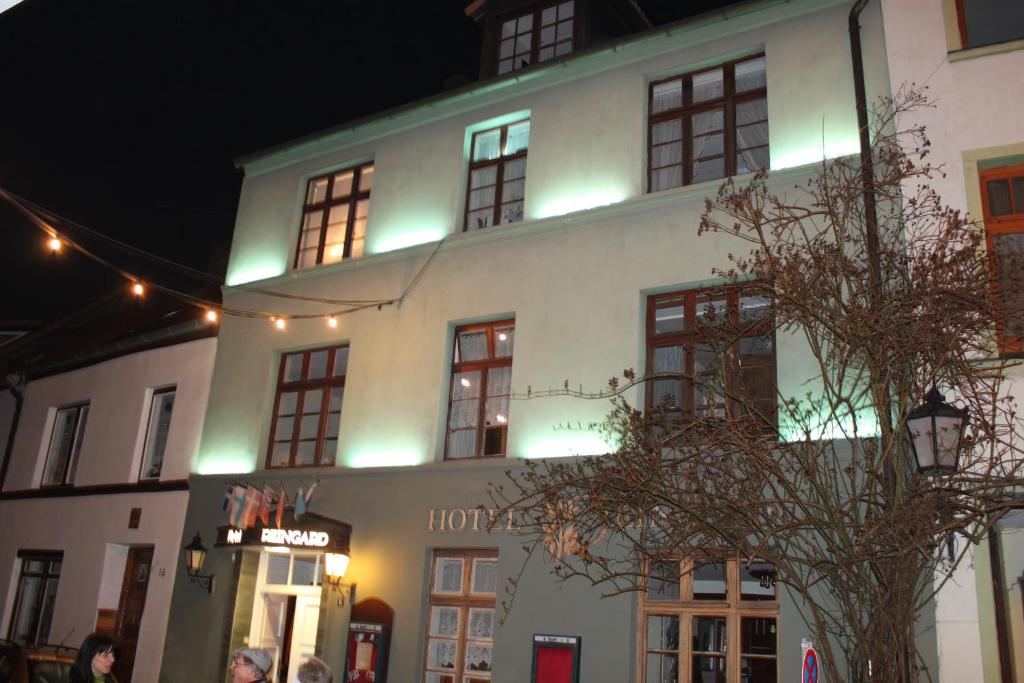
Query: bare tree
point(823, 486)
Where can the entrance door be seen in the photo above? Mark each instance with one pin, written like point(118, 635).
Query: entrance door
point(130, 608)
point(303, 645)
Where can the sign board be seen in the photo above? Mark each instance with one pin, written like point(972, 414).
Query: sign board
point(556, 659)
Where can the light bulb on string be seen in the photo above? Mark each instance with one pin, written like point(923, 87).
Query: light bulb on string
point(54, 244)
point(211, 315)
point(332, 322)
point(138, 289)
point(279, 323)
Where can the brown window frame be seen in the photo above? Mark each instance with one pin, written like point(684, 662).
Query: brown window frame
point(484, 367)
point(961, 22)
point(355, 195)
point(734, 608)
point(499, 178)
point(728, 101)
point(302, 386)
point(463, 601)
point(691, 335)
point(47, 557)
point(70, 468)
point(997, 226)
point(536, 27)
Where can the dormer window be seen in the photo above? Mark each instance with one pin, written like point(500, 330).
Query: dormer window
point(536, 36)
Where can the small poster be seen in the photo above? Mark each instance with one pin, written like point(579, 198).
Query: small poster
point(556, 659)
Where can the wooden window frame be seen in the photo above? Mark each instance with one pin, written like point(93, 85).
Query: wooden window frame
point(149, 424)
point(352, 199)
point(728, 101)
point(996, 226)
point(484, 366)
point(463, 601)
point(499, 176)
point(961, 23)
point(733, 608)
point(537, 11)
point(301, 386)
point(71, 464)
point(691, 336)
point(26, 556)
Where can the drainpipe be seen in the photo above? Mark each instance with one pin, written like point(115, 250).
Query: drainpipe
point(867, 171)
point(16, 385)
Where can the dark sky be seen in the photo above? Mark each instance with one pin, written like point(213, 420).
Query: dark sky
point(125, 115)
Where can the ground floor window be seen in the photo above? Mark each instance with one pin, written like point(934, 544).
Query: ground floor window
point(35, 597)
point(460, 618)
point(1006, 552)
point(694, 613)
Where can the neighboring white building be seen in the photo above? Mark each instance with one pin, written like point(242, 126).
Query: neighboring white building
point(95, 489)
point(970, 56)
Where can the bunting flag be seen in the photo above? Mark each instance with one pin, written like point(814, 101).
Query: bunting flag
point(252, 504)
point(263, 513)
point(300, 503)
point(225, 502)
point(237, 505)
point(282, 500)
point(309, 492)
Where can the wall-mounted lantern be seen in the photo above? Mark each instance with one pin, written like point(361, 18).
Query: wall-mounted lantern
point(936, 431)
point(335, 565)
point(195, 556)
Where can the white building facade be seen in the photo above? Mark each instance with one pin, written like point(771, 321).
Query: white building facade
point(94, 500)
point(970, 56)
point(445, 260)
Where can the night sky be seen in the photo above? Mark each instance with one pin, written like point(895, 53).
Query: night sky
point(125, 116)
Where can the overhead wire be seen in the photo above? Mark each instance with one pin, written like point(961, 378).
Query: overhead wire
point(32, 211)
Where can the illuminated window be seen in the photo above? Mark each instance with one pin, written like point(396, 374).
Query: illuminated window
point(712, 353)
point(480, 389)
point(1002, 192)
point(989, 22)
point(536, 36)
point(497, 176)
point(461, 618)
point(65, 445)
point(708, 124)
point(307, 410)
point(694, 613)
point(157, 429)
point(35, 597)
point(334, 217)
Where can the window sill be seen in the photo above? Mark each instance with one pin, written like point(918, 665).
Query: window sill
point(985, 50)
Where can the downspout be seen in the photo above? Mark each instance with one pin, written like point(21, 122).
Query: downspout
point(16, 385)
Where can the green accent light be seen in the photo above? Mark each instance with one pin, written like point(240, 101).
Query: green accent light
point(801, 155)
point(242, 274)
point(837, 428)
point(225, 464)
point(393, 457)
point(566, 445)
point(572, 203)
point(401, 240)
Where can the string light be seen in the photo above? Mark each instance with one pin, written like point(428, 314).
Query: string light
point(211, 315)
point(279, 323)
point(332, 322)
point(54, 244)
point(138, 289)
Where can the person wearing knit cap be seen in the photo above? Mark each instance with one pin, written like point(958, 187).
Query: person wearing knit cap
point(250, 665)
point(314, 670)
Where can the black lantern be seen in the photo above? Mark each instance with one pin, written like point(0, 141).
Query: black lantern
point(763, 571)
point(195, 555)
point(936, 431)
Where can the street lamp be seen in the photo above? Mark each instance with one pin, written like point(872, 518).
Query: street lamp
point(195, 555)
point(936, 431)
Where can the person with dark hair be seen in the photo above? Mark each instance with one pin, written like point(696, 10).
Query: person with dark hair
point(95, 659)
point(250, 665)
point(314, 670)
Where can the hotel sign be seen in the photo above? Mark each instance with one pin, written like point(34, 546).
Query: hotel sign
point(309, 532)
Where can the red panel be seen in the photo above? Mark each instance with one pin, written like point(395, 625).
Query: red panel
point(554, 665)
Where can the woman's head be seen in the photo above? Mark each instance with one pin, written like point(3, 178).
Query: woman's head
point(95, 657)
